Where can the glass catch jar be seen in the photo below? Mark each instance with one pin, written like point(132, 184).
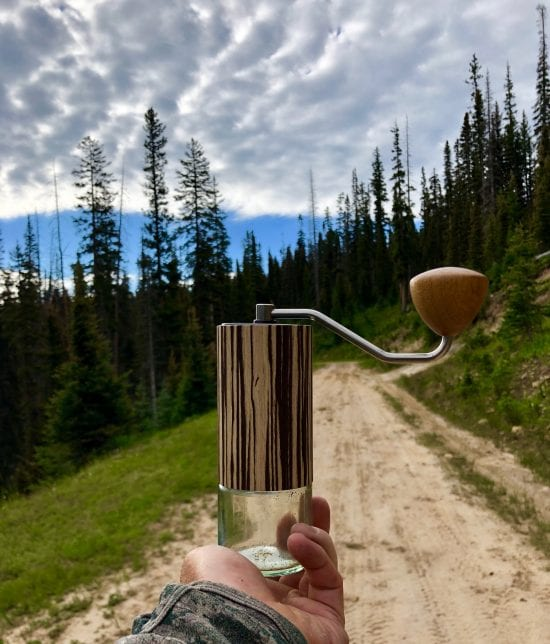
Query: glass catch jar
point(265, 440)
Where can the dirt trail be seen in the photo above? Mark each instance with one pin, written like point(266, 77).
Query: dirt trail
point(423, 562)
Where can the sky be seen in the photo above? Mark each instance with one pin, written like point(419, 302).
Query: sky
point(272, 89)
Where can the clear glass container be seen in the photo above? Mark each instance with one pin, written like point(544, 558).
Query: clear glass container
point(257, 524)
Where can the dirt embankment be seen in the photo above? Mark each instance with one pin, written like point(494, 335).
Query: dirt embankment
point(423, 561)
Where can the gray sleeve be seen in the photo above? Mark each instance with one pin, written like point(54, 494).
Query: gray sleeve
point(205, 612)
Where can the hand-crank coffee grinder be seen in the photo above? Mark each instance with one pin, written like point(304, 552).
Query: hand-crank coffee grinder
point(265, 410)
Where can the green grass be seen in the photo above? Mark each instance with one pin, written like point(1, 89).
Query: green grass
point(518, 512)
point(496, 387)
point(77, 529)
point(397, 405)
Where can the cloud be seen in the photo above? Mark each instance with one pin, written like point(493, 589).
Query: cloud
point(271, 88)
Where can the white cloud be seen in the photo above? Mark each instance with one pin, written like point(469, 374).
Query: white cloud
point(271, 88)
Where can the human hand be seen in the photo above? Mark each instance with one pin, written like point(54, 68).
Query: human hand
point(313, 600)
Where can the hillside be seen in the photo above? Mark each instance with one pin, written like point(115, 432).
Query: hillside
point(498, 385)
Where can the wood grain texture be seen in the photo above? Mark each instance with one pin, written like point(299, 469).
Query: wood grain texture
point(264, 406)
point(448, 298)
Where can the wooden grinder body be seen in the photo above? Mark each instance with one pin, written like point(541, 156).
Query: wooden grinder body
point(264, 406)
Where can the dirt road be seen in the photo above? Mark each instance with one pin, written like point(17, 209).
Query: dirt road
point(423, 561)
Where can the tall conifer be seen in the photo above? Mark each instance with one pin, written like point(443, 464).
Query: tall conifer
point(100, 242)
point(382, 266)
point(157, 239)
point(542, 103)
point(91, 404)
point(403, 233)
point(204, 234)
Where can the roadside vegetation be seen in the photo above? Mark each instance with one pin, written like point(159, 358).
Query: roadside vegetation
point(519, 512)
point(498, 385)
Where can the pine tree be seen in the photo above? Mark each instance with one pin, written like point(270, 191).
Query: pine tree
point(403, 233)
point(314, 252)
point(541, 197)
point(434, 223)
point(523, 315)
point(344, 222)
point(511, 149)
point(100, 240)
point(25, 340)
point(13, 447)
point(503, 221)
point(158, 261)
point(59, 261)
point(196, 390)
point(452, 209)
point(205, 236)
point(91, 406)
point(466, 217)
point(29, 333)
point(382, 265)
point(157, 238)
point(495, 173)
point(302, 270)
point(361, 263)
point(253, 279)
point(329, 263)
point(289, 296)
point(342, 297)
point(542, 103)
point(274, 279)
point(146, 334)
point(478, 152)
point(527, 161)
point(221, 264)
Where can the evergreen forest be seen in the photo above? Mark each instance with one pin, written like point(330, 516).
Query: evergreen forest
point(84, 369)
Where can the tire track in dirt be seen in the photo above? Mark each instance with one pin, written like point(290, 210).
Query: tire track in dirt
point(421, 561)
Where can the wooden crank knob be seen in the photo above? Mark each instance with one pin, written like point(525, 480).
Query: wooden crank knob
point(448, 298)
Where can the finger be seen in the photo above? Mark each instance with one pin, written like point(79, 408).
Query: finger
point(320, 537)
point(320, 517)
point(311, 548)
point(320, 510)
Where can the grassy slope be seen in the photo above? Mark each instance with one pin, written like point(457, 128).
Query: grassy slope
point(97, 521)
point(497, 388)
